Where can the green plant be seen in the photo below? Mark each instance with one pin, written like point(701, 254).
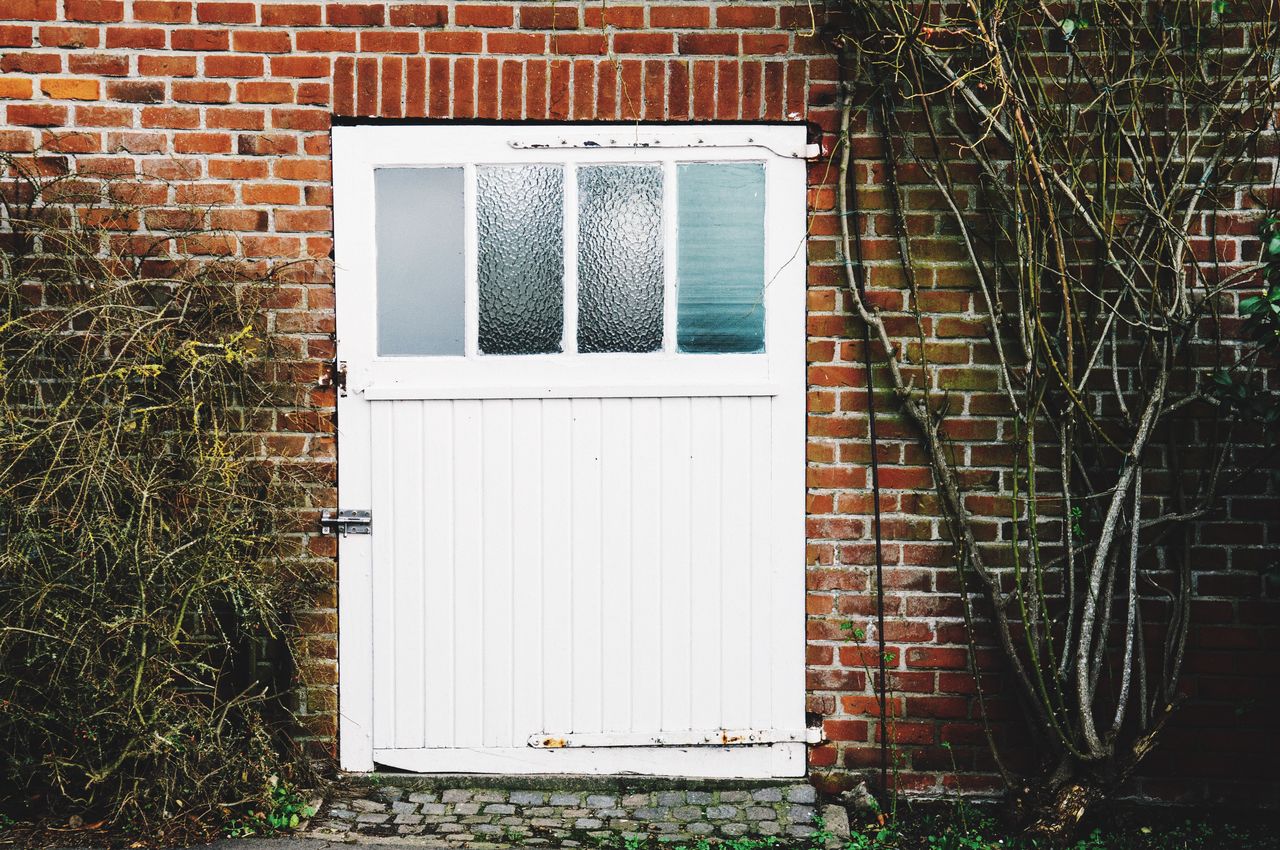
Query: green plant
point(283, 809)
point(147, 576)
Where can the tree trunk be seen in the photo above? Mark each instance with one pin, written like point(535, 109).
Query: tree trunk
point(1050, 813)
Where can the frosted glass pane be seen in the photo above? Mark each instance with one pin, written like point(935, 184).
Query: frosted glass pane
point(720, 257)
point(418, 235)
point(520, 258)
point(619, 258)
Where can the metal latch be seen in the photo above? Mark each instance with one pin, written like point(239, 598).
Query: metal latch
point(346, 522)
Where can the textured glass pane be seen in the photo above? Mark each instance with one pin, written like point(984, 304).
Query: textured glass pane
point(520, 259)
point(619, 258)
point(720, 258)
point(418, 227)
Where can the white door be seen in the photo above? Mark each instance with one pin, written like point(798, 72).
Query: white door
point(574, 406)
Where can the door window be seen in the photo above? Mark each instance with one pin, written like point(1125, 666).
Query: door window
point(571, 258)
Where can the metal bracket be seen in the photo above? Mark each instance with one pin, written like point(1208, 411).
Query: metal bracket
point(335, 376)
point(346, 522)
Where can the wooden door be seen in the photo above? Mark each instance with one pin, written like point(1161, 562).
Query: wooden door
point(575, 408)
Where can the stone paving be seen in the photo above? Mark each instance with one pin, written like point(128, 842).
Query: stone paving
point(593, 813)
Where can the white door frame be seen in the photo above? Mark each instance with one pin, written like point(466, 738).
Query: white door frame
point(357, 150)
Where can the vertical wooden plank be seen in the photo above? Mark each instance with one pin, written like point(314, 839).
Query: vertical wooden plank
point(677, 513)
point(557, 547)
point(384, 592)
point(496, 567)
point(785, 306)
point(468, 576)
point(405, 569)
point(761, 554)
point(356, 331)
point(735, 563)
point(527, 578)
point(588, 659)
point(646, 564)
point(615, 525)
point(706, 580)
point(438, 559)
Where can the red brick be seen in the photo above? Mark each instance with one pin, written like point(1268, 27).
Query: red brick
point(747, 17)
point(205, 143)
point(201, 92)
point(15, 36)
point(560, 101)
point(31, 63)
point(643, 42)
point(765, 44)
point(674, 17)
point(201, 39)
point(326, 41)
point(512, 90)
point(264, 92)
point(292, 14)
point(631, 89)
point(398, 41)
point(452, 42)
point(235, 119)
point(441, 87)
point(261, 41)
point(584, 90)
point(366, 86)
point(355, 14)
point(415, 87)
point(655, 90)
point(556, 17)
point(727, 105)
point(700, 44)
point(165, 66)
point(622, 17)
point(226, 13)
point(678, 91)
point(178, 118)
point(606, 90)
point(487, 82)
point(135, 37)
point(516, 42)
point(392, 87)
point(31, 10)
point(136, 91)
point(97, 11)
point(36, 115)
point(233, 66)
point(570, 44)
point(70, 38)
point(419, 15)
point(343, 86)
point(103, 116)
point(299, 66)
point(483, 15)
point(162, 11)
point(300, 119)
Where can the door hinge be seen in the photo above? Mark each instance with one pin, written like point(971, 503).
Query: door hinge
point(335, 376)
point(346, 522)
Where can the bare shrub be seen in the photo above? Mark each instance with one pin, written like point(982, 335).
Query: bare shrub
point(144, 559)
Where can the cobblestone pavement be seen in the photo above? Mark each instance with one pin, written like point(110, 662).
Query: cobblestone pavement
point(488, 817)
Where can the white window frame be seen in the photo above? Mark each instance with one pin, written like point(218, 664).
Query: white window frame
point(358, 150)
point(778, 372)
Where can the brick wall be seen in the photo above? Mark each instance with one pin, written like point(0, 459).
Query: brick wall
point(228, 105)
